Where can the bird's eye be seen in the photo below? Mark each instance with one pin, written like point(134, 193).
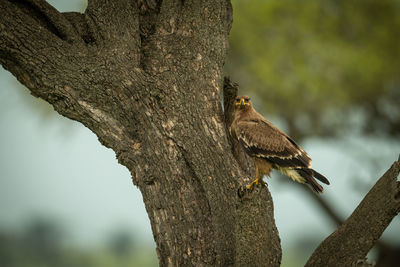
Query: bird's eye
point(246, 99)
point(237, 100)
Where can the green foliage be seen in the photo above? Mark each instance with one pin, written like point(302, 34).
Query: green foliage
point(320, 65)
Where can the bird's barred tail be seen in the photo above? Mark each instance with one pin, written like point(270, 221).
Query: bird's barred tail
point(309, 174)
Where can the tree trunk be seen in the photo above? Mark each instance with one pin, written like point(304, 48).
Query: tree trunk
point(146, 77)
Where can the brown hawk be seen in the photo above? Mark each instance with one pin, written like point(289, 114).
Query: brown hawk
point(271, 148)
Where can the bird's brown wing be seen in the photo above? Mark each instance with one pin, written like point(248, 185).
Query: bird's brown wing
point(262, 139)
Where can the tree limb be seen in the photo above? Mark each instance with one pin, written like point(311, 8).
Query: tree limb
point(45, 50)
point(50, 18)
point(26, 20)
point(351, 242)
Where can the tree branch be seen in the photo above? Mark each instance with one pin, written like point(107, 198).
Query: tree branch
point(51, 53)
point(36, 46)
point(362, 229)
point(50, 18)
point(387, 253)
point(22, 20)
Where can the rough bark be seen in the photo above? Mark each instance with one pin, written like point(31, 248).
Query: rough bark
point(146, 78)
point(350, 243)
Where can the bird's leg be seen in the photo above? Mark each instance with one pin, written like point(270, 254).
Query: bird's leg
point(258, 180)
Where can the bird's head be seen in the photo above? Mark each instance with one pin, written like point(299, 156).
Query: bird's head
point(242, 102)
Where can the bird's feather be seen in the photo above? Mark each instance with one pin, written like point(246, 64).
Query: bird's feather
point(261, 139)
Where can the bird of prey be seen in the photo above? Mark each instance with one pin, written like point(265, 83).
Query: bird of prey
point(270, 148)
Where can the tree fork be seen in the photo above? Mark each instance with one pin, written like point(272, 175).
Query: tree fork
point(125, 70)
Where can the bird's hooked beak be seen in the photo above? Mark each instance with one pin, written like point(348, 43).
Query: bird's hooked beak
point(242, 102)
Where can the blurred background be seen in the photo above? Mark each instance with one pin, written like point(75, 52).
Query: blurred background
point(326, 72)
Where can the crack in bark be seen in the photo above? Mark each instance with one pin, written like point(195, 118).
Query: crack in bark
point(230, 92)
point(81, 26)
point(397, 195)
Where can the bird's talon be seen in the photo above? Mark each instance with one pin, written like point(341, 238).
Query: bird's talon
point(256, 182)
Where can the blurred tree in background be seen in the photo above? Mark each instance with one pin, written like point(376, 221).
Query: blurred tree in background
point(324, 67)
point(41, 244)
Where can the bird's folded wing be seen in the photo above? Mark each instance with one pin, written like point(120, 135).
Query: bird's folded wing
point(262, 139)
